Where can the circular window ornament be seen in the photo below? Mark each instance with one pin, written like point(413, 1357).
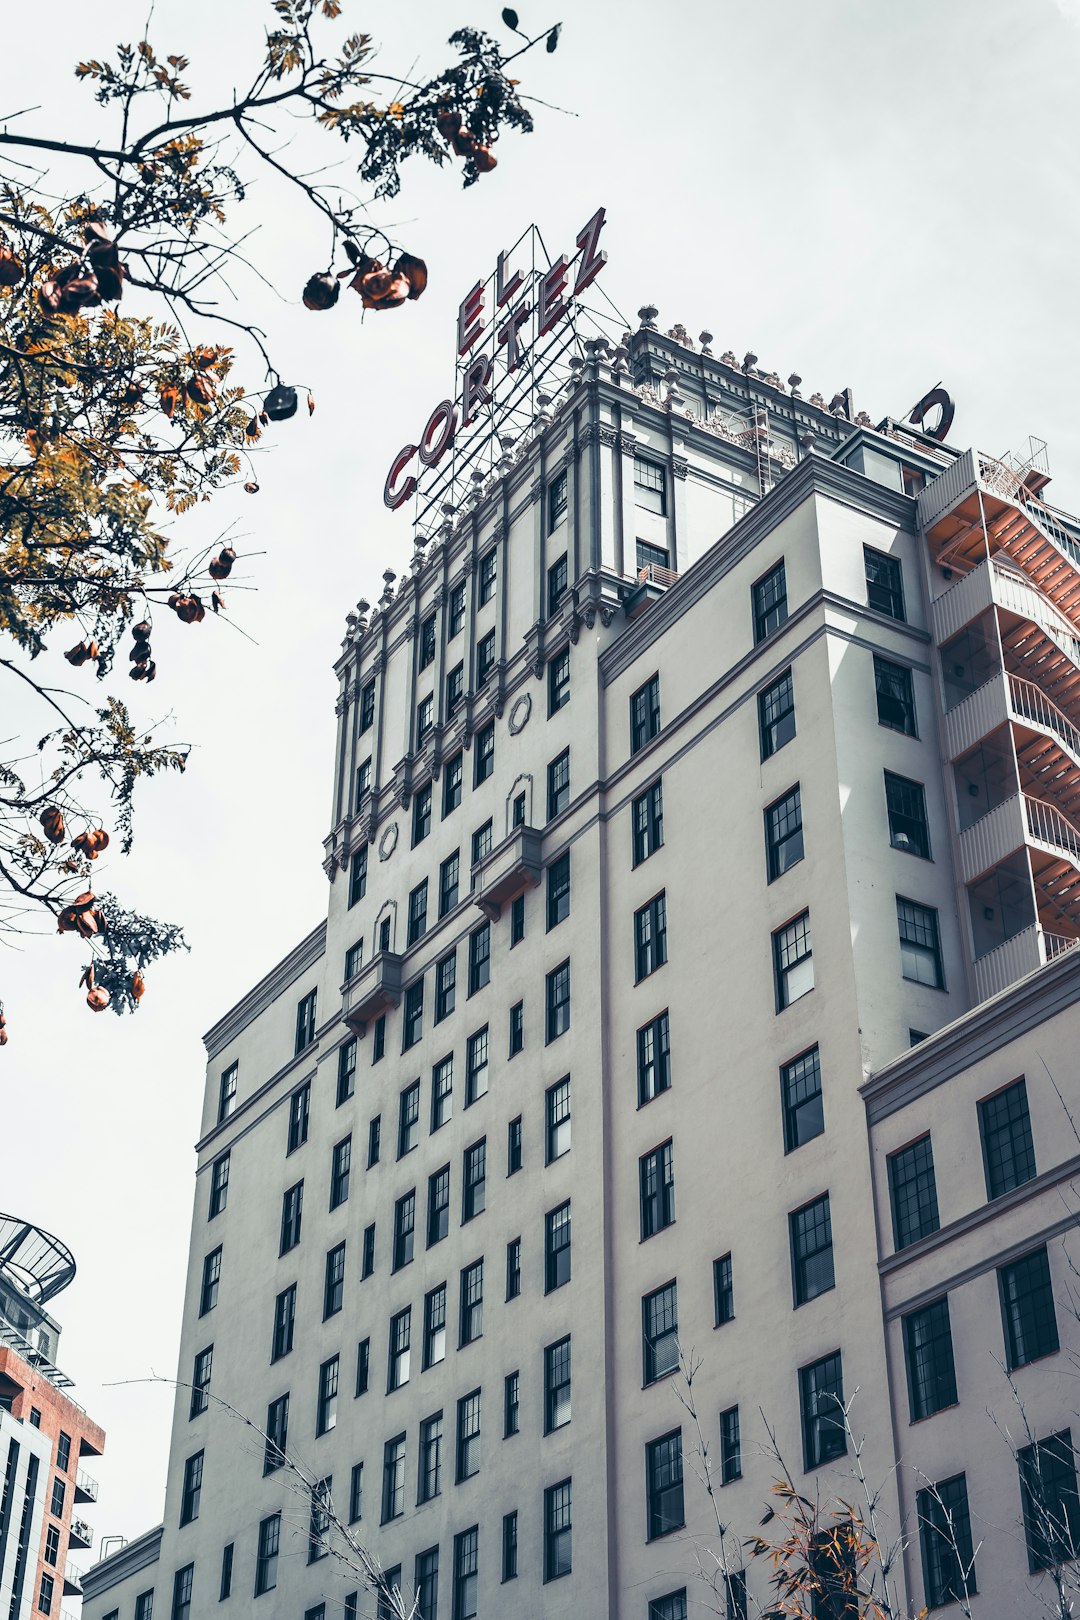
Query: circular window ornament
point(519, 714)
point(388, 841)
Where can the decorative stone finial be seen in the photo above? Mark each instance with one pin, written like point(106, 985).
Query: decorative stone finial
point(705, 339)
point(647, 316)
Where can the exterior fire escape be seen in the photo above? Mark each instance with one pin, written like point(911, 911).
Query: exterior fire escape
point(1007, 625)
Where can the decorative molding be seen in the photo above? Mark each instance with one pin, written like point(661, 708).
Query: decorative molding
point(388, 841)
point(268, 989)
point(519, 714)
point(127, 1561)
point(680, 466)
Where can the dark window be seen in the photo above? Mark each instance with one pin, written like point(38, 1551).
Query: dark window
point(556, 585)
point(417, 913)
point(277, 1434)
point(63, 1451)
point(56, 1506)
point(557, 1382)
point(448, 883)
point(648, 821)
point(723, 1290)
point(895, 696)
point(393, 1489)
point(476, 1066)
point(219, 1185)
point(672, 1606)
point(659, 1333)
point(319, 1521)
point(431, 1446)
point(340, 1170)
point(479, 958)
point(361, 789)
point(455, 691)
point(284, 1323)
point(513, 1268)
point(398, 1352)
point(438, 1207)
point(558, 1532)
point(299, 1117)
point(884, 583)
point(913, 1192)
point(191, 1494)
point(367, 706)
point(421, 814)
point(412, 1018)
point(657, 1177)
point(211, 1279)
point(363, 1367)
point(511, 1404)
point(558, 785)
point(557, 1120)
point(650, 486)
point(404, 1229)
point(474, 1180)
point(649, 556)
point(1007, 1149)
point(664, 1485)
point(920, 944)
point(800, 1096)
point(305, 1020)
point(517, 1028)
point(481, 845)
point(945, 1538)
point(425, 717)
point(326, 1409)
point(730, 1448)
point(346, 1071)
point(559, 682)
point(200, 1383)
point(776, 714)
point(770, 601)
point(1027, 1309)
point(183, 1581)
point(227, 1091)
point(225, 1587)
point(358, 876)
point(557, 1247)
point(456, 615)
point(557, 497)
point(468, 1436)
point(793, 961)
point(452, 780)
point(367, 1262)
point(378, 1039)
point(509, 1546)
point(928, 1355)
point(906, 803)
point(517, 920)
point(356, 1492)
point(650, 937)
point(821, 1402)
point(644, 714)
point(1051, 1505)
point(513, 1146)
point(292, 1212)
point(485, 657)
point(409, 1119)
point(557, 1001)
point(465, 1574)
point(484, 757)
point(374, 1140)
point(354, 956)
point(442, 1089)
point(427, 641)
point(811, 1250)
point(653, 1058)
point(434, 1326)
point(558, 891)
point(489, 564)
point(784, 833)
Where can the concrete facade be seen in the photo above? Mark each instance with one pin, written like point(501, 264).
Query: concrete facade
point(747, 550)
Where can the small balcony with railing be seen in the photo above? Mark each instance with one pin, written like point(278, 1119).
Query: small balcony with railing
point(80, 1534)
point(72, 1581)
point(86, 1487)
point(512, 867)
point(373, 990)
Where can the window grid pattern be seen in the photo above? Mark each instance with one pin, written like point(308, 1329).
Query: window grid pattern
point(884, 583)
point(793, 961)
point(557, 1531)
point(645, 714)
point(557, 1001)
point(928, 1355)
point(723, 1290)
point(913, 1192)
point(650, 937)
point(660, 1332)
point(1051, 1505)
point(895, 696)
point(812, 1250)
point(800, 1089)
point(770, 602)
point(945, 1541)
point(654, 1058)
point(821, 1400)
point(905, 802)
point(920, 943)
point(648, 822)
point(471, 1314)
point(664, 1485)
point(557, 1247)
point(1027, 1309)
point(657, 1175)
point(784, 833)
point(1007, 1147)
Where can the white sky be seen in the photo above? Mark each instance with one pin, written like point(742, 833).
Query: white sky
point(871, 194)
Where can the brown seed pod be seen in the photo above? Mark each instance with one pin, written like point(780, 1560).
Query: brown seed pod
point(98, 999)
point(142, 629)
point(11, 269)
point(321, 292)
point(73, 288)
point(484, 159)
point(202, 358)
point(200, 391)
point(52, 820)
point(217, 601)
point(252, 487)
point(86, 977)
point(188, 609)
point(252, 430)
point(138, 985)
point(81, 652)
point(415, 272)
point(221, 566)
point(91, 844)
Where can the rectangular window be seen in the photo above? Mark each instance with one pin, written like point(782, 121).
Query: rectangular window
point(363, 1367)
point(793, 961)
point(650, 486)
point(277, 1434)
point(489, 564)
point(299, 1117)
point(425, 718)
point(672, 1606)
point(326, 1411)
point(558, 785)
point(664, 1485)
point(1005, 1130)
point(474, 1180)
point(928, 1356)
point(479, 958)
point(513, 1146)
point(183, 1581)
point(895, 696)
point(557, 1380)
point(63, 1452)
point(784, 833)
point(811, 1250)
point(227, 1091)
point(438, 1206)
point(346, 1071)
point(913, 1192)
point(556, 585)
point(445, 986)
point(517, 1028)
point(225, 1584)
point(517, 920)
point(361, 790)
point(657, 1179)
point(412, 1018)
point(393, 1491)
point(800, 1095)
point(511, 1404)
point(284, 1323)
point(434, 1326)
point(465, 1574)
point(448, 883)
point(776, 715)
point(292, 1211)
point(648, 556)
point(404, 1229)
point(920, 944)
point(650, 937)
point(427, 641)
point(948, 1558)
point(305, 1021)
point(442, 1089)
point(398, 1352)
point(644, 714)
point(378, 1039)
point(723, 1290)
point(884, 583)
point(191, 1495)
point(485, 657)
point(356, 1492)
point(556, 511)
point(421, 814)
point(821, 1402)
point(468, 1436)
point(730, 1450)
point(374, 1140)
point(417, 913)
point(219, 1185)
point(340, 1170)
point(455, 691)
point(481, 845)
point(484, 757)
point(559, 682)
point(367, 707)
point(557, 1247)
point(513, 1268)
point(558, 1532)
point(367, 1263)
point(45, 1593)
point(1027, 1309)
point(431, 1445)
point(906, 804)
point(426, 1579)
point(358, 876)
point(471, 1312)
point(409, 1119)
point(557, 1119)
point(510, 1546)
point(659, 1333)
point(648, 822)
point(558, 891)
point(770, 601)
point(1051, 1505)
point(211, 1280)
point(557, 1001)
point(452, 783)
point(59, 1489)
point(200, 1382)
point(319, 1521)
point(456, 611)
point(653, 1058)
point(476, 1066)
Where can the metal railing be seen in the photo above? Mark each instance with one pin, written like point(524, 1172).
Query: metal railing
point(1002, 480)
point(1056, 943)
point(87, 1483)
point(73, 1577)
point(658, 575)
point(1029, 701)
point(1046, 822)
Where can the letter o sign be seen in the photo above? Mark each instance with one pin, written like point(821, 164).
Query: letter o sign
point(438, 435)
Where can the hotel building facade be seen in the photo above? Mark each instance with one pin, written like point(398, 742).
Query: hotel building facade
point(697, 980)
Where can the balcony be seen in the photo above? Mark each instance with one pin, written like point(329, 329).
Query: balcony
point(1016, 958)
point(81, 1534)
point(86, 1488)
point(72, 1581)
point(375, 988)
point(511, 868)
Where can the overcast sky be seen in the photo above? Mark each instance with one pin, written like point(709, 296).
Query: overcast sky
point(872, 194)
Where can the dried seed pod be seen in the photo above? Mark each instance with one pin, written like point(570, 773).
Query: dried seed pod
point(217, 602)
point(80, 653)
point(252, 429)
point(415, 272)
point(86, 977)
point(12, 269)
point(73, 288)
point(142, 629)
point(251, 487)
point(203, 358)
point(132, 395)
point(280, 403)
point(138, 985)
point(447, 123)
point(98, 999)
point(221, 566)
point(311, 405)
point(321, 292)
point(484, 159)
point(52, 820)
point(188, 609)
point(169, 398)
point(199, 391)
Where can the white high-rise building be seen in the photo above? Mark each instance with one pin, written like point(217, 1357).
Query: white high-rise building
point(704, 870)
